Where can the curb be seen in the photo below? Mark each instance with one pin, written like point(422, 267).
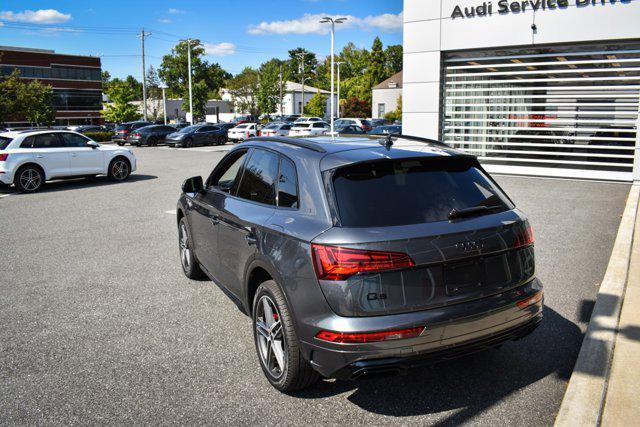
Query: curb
point(584, 398)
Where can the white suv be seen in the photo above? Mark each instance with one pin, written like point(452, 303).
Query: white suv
point(29, 158)
point(309, 129)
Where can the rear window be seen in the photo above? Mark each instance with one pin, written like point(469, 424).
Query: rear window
point(411, 191)
point(242, 126)
point(122, 127)
point(4, 142)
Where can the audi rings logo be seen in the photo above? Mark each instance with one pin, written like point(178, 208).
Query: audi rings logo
point(470, 246)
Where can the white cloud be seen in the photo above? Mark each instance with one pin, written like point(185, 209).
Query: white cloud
point(164, 21)
point(175, 11)
point(310, 24)
point(219, 49)
point(41, 16)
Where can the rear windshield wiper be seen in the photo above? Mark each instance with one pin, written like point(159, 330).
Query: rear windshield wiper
point(472, 211)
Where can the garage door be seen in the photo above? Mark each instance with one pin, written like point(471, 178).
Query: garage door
point(567, 111)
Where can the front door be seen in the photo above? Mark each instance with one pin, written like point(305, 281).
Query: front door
point(83, 159)
point(50, 151)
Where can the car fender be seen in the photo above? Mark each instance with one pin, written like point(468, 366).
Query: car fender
point(23, 160)
point(259, 260)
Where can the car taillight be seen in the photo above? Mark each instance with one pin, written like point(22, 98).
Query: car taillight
point(524, 236)
point(336, 263)
point(364, 337)
point(248, 134)
point(136, 135)
point(125, 131)
point(4, 157)
point(259, 133)
point(531, 300)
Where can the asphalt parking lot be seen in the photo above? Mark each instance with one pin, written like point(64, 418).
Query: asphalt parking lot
point(99, 325)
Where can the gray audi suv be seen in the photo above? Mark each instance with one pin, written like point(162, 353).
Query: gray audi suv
point(363, 255)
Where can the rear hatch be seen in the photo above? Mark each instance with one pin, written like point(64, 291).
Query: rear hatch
point(418, 233)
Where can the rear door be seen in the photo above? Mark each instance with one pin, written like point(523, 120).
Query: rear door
point(396, 216)
point(83, 159)
point(51, 152)
point(243, 215)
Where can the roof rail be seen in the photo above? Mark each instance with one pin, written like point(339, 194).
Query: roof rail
point(389, 141)
point(291, 141)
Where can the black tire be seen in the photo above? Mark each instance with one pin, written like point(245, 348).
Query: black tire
point(119, 169)
point(297, 373)
point(152, 142)
point(120, 143)
point(29, 179)
point(188, 143)
point(190, 265)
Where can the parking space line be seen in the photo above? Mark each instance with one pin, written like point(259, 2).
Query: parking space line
point(173, 212)
point(7, 195)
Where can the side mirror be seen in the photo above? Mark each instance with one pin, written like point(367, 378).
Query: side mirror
point(193, 185)
point(93, 144)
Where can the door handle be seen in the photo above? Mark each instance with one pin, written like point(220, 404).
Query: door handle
point(74, 155)
point(40, 156)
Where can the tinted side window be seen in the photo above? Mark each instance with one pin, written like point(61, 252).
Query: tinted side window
point(287, 185)
point(318, 125)
point(27, 142)
point(226, 178)
point(258, 180)
point(74, 140)
point(47, 140)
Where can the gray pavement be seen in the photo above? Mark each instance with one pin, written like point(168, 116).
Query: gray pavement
point(98, 324)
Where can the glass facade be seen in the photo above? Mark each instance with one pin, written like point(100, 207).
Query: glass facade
point(53, 72)
point(76, 99)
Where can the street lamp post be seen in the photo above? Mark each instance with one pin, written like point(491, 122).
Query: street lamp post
point(333, 22)
point(338, 64)
point(164, 104)
point(189, 42)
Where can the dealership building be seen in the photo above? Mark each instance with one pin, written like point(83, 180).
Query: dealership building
point(534, 87)
point(76, 82)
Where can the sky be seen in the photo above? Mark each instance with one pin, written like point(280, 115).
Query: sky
point(236, 33)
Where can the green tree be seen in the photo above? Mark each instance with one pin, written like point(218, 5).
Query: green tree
point(36, 101)
point(120, 108)
point(106, 79)
point(268, 95)
point(244, 89)
point(9, 87)
point(153, 84)
point(393, 59)
point(174, 71)
point(294, 71)
point(376, 68)
point(316, 105)
point(396, 114)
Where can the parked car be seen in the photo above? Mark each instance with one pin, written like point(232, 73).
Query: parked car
point(197, 135)
point(291, 118)
point(90, 128)
point(246, 119)
point(309, 128)
point(109, 127)
point(275, 129)
point(362, 123)
point(180, 125)
point(377, 122)
point(385, 130)
point(29, 158)
point(349, 130)
point(226, 127)
point(123, 129)
point(242, 132)
point(151, 135)
point(356, 258)
point(308, 120)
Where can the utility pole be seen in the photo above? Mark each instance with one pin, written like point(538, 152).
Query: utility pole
point(338, 64)
point(280, 79)
point(142, 36)
point(302, 56)
point(190, 88)
point(164, 105)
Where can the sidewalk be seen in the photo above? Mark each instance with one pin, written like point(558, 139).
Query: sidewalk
point(603, 386)
point(622, 399)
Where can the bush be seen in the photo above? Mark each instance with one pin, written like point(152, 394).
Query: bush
point(99, 136)
point(354, 107)
point(392, 116)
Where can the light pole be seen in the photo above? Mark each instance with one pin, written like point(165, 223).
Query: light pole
point(164, 104)
point(338, 64)
point(333, 22)
point(189, 42)
point(302, 56)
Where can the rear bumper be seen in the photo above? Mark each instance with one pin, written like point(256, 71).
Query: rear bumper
point(449, 332)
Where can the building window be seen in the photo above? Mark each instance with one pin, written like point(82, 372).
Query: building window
point(75, 99)
point(381, 108)
point(53, 72)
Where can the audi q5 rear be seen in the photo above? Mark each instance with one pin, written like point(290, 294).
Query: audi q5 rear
point(358, 256)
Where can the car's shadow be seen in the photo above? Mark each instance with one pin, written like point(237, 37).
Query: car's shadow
point(75, 183)
point(469, 385)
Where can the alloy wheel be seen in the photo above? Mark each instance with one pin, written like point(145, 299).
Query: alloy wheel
point(271, 340)
point(120, 170)
point(185, 252)
point(30, 179)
